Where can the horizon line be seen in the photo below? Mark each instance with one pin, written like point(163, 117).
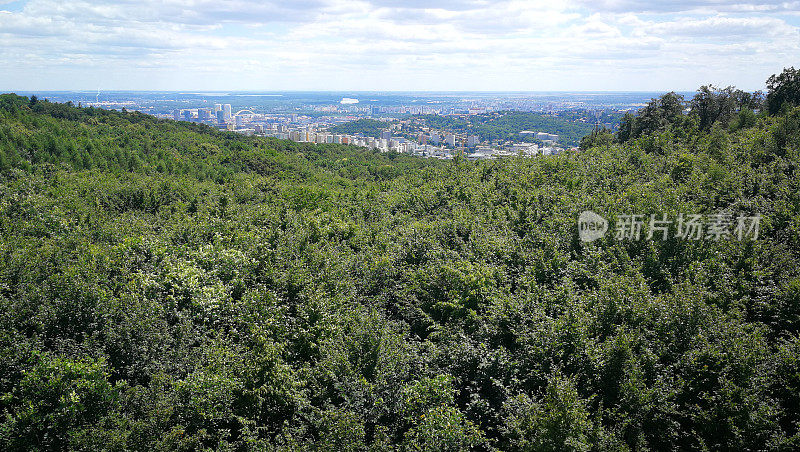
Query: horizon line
point(228, 92)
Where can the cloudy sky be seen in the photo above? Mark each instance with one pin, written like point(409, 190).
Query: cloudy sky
point(526, 45)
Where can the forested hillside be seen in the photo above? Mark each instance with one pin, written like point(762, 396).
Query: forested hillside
point(164, 286)
point(570, 126)
point(366, 127)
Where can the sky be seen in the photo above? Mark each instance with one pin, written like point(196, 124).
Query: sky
point(395, 45)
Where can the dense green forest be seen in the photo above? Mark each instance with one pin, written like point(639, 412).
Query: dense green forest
point(571, 126)
point(365, 126)
point(165, 286)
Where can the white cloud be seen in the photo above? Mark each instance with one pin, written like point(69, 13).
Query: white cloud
point(682, 6)
point(393, 44)
point(724, 27)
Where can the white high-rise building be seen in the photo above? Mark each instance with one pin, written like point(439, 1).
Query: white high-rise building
point(227, 112)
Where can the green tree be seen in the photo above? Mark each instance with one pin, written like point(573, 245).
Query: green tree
point(602, 137)
point(783, 88)
point(712, 104)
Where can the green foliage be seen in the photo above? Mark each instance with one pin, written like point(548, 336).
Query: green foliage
point(658, 115)
point(559, 422)
point(164, 286)
point(783, 88)
point(712, 104)
point(745, 119)
point(365, 126)
point(602, 137)
point(55, 403)
point(507, 125)
point(435, 424)
point(787, 131)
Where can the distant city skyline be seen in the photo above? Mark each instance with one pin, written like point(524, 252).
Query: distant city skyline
point(393, 45)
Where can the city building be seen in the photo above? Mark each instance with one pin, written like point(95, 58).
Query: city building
point(546, 136)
